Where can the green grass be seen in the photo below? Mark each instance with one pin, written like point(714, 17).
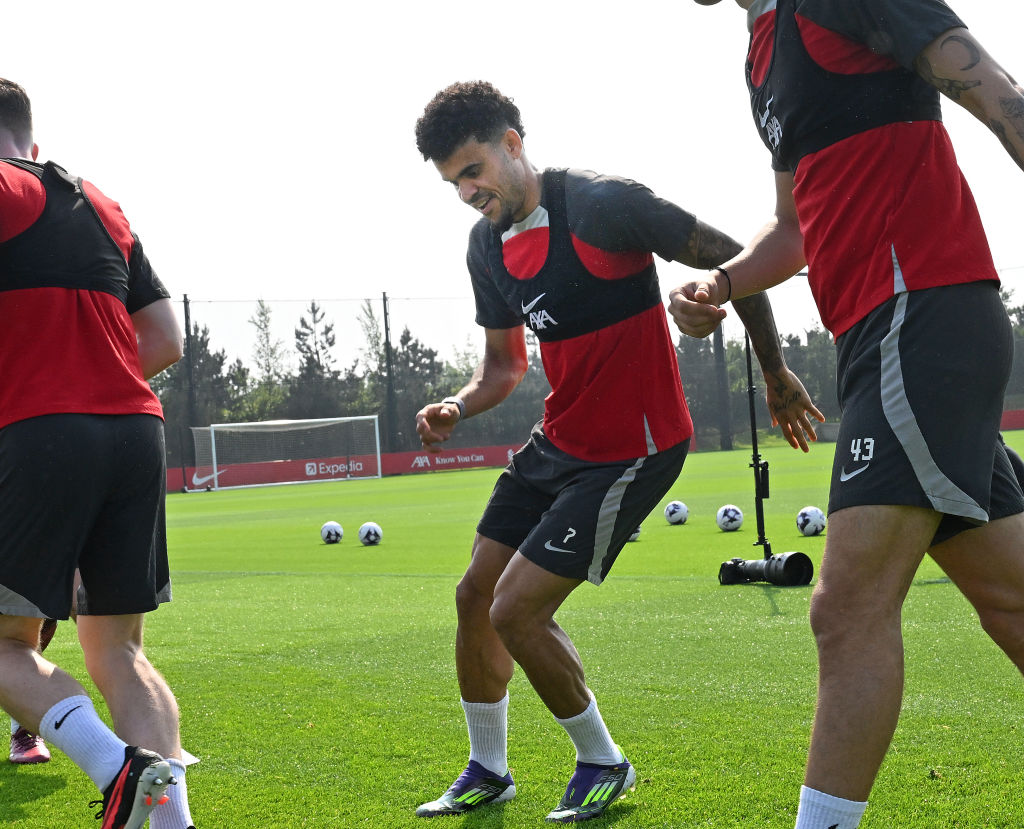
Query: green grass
point(317, 682)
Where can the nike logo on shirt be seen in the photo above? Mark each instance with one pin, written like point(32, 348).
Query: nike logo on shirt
point(529, 307)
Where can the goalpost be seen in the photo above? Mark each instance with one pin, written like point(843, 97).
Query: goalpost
point(263, 453)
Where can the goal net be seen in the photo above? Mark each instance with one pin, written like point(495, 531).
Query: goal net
point(232, 455)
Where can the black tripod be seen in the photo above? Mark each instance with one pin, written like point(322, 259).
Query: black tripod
point(789, 569)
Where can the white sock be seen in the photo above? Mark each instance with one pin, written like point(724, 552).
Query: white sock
point(590, 736)
point(15, 725)
point(73, 726)
point(174, 814)
point(824, 811)
point(488, 734)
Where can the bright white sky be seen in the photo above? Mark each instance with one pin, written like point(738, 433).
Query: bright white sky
point(266, 150)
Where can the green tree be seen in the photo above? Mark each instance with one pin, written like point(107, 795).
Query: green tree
point(314, 339)
point(214, 394)
point(315, 391)
point(267, 398)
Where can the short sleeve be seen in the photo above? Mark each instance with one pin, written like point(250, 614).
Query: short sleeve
point(492, 311)
point(899, 29)
point(618, 214)
point(144, 286)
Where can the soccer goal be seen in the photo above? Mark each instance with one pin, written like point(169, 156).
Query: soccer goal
point(230, 455)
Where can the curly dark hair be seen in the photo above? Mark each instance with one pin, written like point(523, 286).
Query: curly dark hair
point(15, 111)
point(470, 109)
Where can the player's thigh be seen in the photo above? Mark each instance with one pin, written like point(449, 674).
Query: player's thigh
point(21, 629)
point(987, 564)
point(110, 634)
point(526, 592)
point(488, 562)
point(112, 647)
point(871, 556)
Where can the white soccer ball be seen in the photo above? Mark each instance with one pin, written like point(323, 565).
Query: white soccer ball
point(370, 534)
point(729, 518)
point(331, 532)
point(810, 521)
point(633, 536)
point(676, 512)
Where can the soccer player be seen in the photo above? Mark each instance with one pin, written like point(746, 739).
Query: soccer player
point(845, 96)
point(82, 476)
point(569, 253)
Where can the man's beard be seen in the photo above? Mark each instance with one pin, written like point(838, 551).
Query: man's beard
point(505, 220)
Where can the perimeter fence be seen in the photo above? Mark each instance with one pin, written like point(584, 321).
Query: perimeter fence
point(254, 359)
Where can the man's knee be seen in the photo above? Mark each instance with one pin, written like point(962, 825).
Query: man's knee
point(472, 601)
point(516, 623)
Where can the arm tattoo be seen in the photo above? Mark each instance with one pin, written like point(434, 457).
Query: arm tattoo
point(708, 247)
point(974, 55)
point(1000, 130)
point(755, 312)
point(948, 87)
point(1013, 112)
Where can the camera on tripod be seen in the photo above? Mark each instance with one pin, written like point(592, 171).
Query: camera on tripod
point(785, 570)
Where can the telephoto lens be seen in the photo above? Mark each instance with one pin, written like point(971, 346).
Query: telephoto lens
point(785, 570)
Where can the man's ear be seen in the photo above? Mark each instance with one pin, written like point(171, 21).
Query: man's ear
point(513, 142)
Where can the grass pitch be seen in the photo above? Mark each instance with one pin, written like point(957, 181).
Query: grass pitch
point(317, 682)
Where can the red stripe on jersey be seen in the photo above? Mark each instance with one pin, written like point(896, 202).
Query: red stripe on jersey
point(761, 41)
point(607, 264)
point(524, 253)
point(900, 190)
point(23, 198)
point(113, 219)
point(836, 53)
point(69, 351)
point(613, 386)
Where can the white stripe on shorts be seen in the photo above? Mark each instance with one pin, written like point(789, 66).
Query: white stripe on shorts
point(944, 495)
point(606, 516)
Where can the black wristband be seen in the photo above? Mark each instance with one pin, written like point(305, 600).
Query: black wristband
point(728, 281)
point(455, 401)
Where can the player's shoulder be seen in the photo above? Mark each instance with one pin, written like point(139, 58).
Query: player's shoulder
point(588, 193)
point(882, 24)
point(581, 181)
point(480, 233)
point(22, 195)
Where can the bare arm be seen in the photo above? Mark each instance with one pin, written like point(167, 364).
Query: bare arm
point(788, 401)
point(503, 365)
point(772, 256)
point(158, 336)
point(957, 65)
point(775, 254)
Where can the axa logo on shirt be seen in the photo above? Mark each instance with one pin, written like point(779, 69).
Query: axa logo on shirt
point(539, 320)
point(771, 125)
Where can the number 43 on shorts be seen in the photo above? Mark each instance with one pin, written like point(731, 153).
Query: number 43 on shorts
point(862, 449)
